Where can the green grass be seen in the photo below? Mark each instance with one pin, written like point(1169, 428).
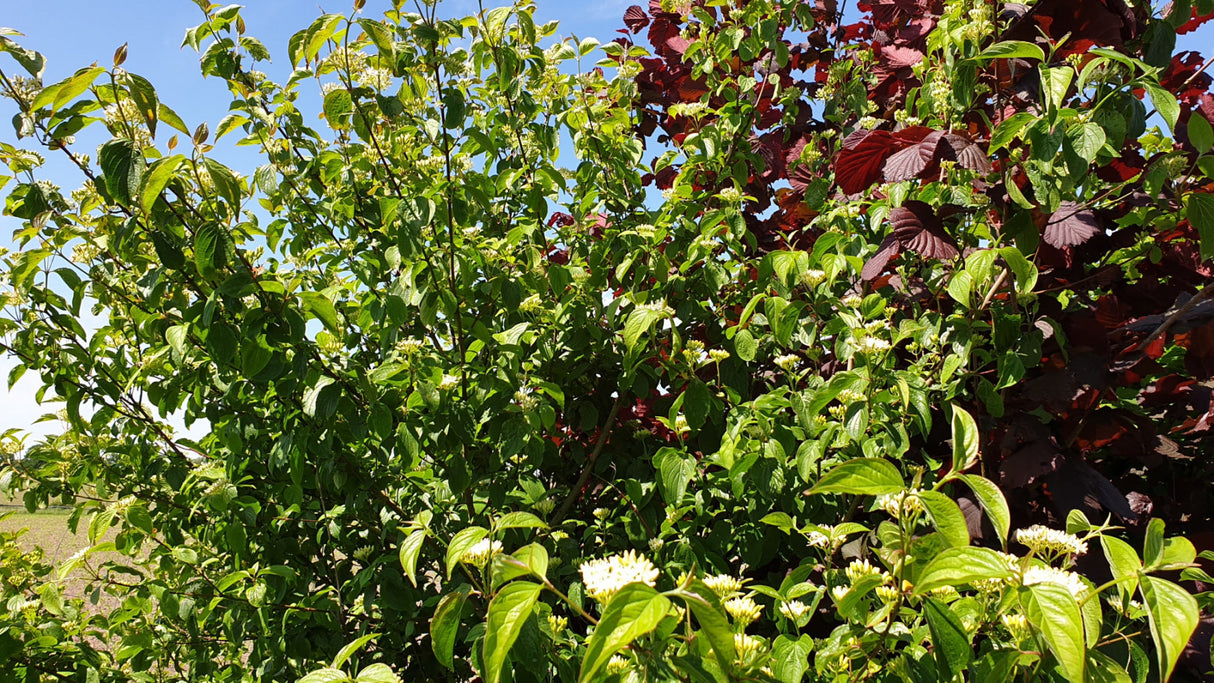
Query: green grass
point(47, 529)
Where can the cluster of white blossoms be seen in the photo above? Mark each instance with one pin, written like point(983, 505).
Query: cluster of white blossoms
point(688, 109)
point(895, 504)
point(744, 610)
point(1068, 580)
point(408, 347)
point(787, 361)
point(376, 79)
point(124, 119)
point(448, 382)
point(1016, 624)
point(525, 399)
point(811, 278)
point(724, 585)
point(1040, 539)
point(479, 554)
point(859, 569)
point(869, 344)
point(852, 301)
point(793, 609)
point(605, 577)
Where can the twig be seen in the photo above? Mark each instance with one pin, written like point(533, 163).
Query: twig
point(1204, 294)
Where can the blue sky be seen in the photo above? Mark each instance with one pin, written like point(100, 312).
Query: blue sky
point(76, 33)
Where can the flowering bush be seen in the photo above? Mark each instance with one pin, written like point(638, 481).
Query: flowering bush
point(750, 378)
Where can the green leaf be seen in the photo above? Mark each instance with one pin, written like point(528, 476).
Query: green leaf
point(946, 517)
point(1024, 270)
point(1165, 103)
point(344, 654)
point(675, 471)
point(72, 87)
point(1086, 139)
point(166, 114)
point(209, 249)
point(1009, 129)
point(377, 673)
point(1124, 563)
point(325, 675)
point(1173, 614)
point(144, 97)
point(463, 540)
point(122, 164)
point(322, 309)
point(863, 476)
point(410, 549)
point(510, 608)
point(456, 108)
point(157, 176)
point(445, 625)
point(706, 607)
point(634, 611)
point(962, 565)
point(138, 517)
point(519, 520)
point(338, 107)
point(790, 658)
point(1055, 82)
point(1012, 49)
point(745, 346)
point(31, 61)
point(530, 560)
point(1200, 133)
point(1200, 211)
point(1152, 544)
point(697, 402)
point(965, 440)
point(950, 642)
point(993, 502)
point(639, 321)
point(1055, 612)
point(1104, 669)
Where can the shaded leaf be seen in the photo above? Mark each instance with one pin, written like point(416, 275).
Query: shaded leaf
point(1070, 226)
point(445, 625)
point(859, 163)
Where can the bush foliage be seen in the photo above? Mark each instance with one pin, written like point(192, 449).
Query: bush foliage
point(751, 345)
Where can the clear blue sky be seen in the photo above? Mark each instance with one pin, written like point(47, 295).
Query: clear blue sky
point(76, 33)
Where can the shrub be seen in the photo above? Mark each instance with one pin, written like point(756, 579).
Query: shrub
point(739, 356)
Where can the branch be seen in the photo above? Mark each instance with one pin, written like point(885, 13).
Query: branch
point(594, 456)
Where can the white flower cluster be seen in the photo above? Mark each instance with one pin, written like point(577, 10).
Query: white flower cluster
point(376, 79)
point(787, 362)
point(724, 585)
point(811, 278)
point(605, 577)
point(1068, 580)
point(744, 610)
point(895, 504)
point(480, 554)
point(869, 344)
point(1040, 538)
point(793, 609)
point(124, 120)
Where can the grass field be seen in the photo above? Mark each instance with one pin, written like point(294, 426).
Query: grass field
point(47, 529)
